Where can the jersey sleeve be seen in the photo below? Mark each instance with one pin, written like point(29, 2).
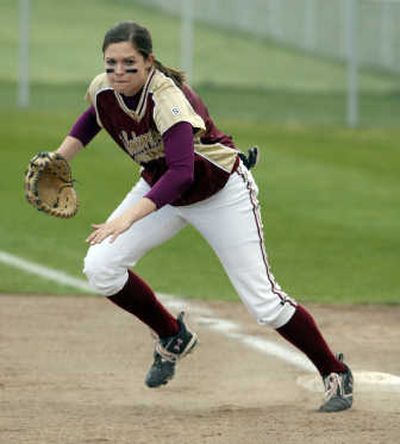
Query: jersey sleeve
point(98, 83)
point(179, 156)
point(86, 127)
point(172, 107)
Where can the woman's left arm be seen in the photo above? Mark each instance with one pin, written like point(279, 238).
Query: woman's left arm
point(179, 155)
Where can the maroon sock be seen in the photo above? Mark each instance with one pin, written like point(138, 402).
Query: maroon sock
point(303, 333)
point(138, 298)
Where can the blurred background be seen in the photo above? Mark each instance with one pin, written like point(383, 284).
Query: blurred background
point(315, 83)
point(298, 56)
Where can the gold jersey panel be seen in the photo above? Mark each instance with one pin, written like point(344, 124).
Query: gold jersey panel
point(171, 105)
point(220, 155)
point(98, 83)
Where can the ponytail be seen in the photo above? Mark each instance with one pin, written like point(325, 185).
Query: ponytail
point(176, 75)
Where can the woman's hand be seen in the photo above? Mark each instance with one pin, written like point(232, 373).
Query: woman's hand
point(121, 223)
point(113, 228)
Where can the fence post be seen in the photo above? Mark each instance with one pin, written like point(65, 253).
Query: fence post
point(310, 25)
point(387, 34)
point(187, 18)
point(23, 96)
point(352, 63)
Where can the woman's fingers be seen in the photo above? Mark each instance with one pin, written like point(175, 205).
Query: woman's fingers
point(93, 233)
point(94, 238)
point(102, 231)
point(114, 236)
point(99, 234)
point(113, 229)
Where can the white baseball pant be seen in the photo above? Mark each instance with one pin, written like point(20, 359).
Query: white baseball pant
point(229, 220)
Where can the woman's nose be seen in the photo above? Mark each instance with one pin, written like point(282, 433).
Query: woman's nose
point(119, 68)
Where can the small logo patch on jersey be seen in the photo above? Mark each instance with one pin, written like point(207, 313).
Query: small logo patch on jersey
point(175, 110)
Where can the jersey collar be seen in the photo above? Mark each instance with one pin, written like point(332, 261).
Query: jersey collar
point(138, 113)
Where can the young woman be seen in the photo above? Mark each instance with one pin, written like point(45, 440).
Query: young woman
point(191, 173)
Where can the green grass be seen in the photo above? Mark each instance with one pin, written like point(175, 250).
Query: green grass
point(330, 201)
point(330, 197)
point(299, 107)
point(261, 106)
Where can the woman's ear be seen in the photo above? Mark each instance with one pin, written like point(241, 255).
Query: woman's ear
point(150, 61)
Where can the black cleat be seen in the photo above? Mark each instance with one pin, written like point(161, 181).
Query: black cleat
point(338, 390)
point(167, 352)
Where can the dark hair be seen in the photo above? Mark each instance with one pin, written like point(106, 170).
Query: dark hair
point(140, 38)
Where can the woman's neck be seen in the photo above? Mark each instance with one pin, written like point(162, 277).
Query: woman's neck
point(132, 101)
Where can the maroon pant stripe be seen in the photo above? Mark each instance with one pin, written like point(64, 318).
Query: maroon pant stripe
point(257, 217)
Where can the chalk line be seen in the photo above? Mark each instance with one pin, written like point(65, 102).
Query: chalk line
point(46, 273)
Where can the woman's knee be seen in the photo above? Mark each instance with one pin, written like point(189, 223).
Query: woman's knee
point(103, 275)
point(275, 316)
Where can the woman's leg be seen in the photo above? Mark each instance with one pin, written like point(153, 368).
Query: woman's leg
point(137, 298)
point(107, 264)
point(231, 223)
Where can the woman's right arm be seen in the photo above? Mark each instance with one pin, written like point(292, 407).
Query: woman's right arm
point(82, 132)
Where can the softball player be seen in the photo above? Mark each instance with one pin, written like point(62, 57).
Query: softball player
point(191, 173)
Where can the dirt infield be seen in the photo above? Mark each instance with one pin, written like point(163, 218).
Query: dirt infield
point(72, 370)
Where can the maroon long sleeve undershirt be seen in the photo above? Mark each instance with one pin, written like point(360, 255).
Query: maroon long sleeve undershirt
point(86, 127)
point(179, 156)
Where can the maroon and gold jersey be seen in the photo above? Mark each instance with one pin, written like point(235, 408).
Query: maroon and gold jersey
point(139, 131)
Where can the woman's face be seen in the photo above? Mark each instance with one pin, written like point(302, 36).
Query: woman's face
point(127, 70)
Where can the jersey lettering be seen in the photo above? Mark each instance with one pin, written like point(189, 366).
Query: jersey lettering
point(143, 148)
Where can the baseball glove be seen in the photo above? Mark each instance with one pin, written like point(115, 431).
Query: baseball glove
point(49, 186)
